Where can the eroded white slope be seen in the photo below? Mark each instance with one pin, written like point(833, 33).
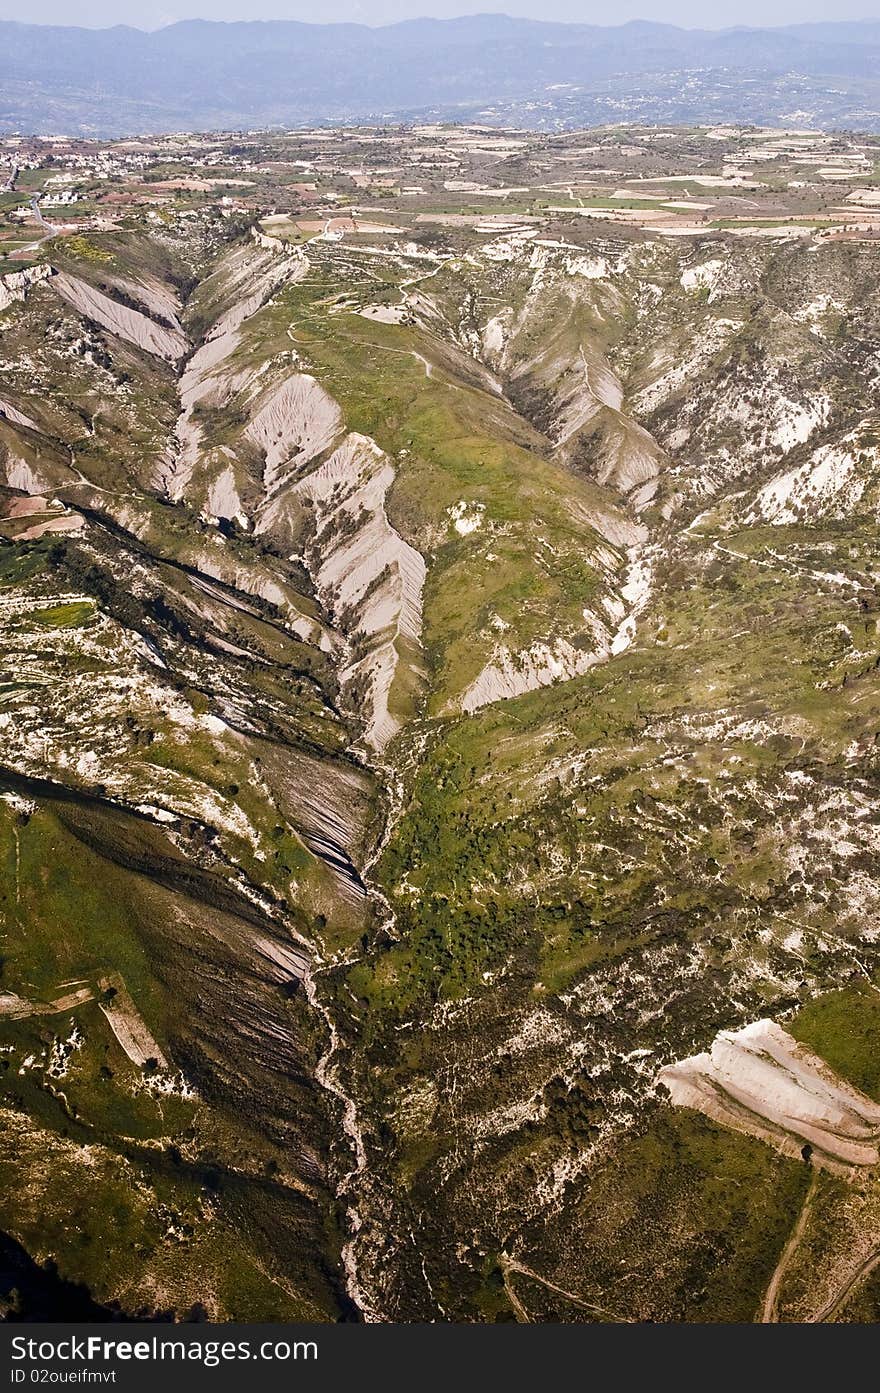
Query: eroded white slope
point(157, 299)
point(18, 418)
point(367, 579)
point(128, 324)
point(295, 424)
point(19, 474)
point(242, 284)
point(365, 574)
point(511, 674)
point(837, 480)
point(760, 1080)
point(564, 368)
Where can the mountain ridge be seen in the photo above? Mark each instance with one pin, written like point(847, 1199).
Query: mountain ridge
point(200, 74)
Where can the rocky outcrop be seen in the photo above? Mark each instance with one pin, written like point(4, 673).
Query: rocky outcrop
point(16, 285)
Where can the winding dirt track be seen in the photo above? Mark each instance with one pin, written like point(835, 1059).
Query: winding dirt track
point(509, 1265)
point(769, 1313)
point(864, 1269)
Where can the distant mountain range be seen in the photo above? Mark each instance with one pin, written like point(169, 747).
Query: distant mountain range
point(201, 75)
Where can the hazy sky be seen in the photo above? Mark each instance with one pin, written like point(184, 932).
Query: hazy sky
point(150, 14)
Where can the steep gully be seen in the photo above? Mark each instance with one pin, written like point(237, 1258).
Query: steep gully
point(392, 779)
point(198, 372)
point(197, 376)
